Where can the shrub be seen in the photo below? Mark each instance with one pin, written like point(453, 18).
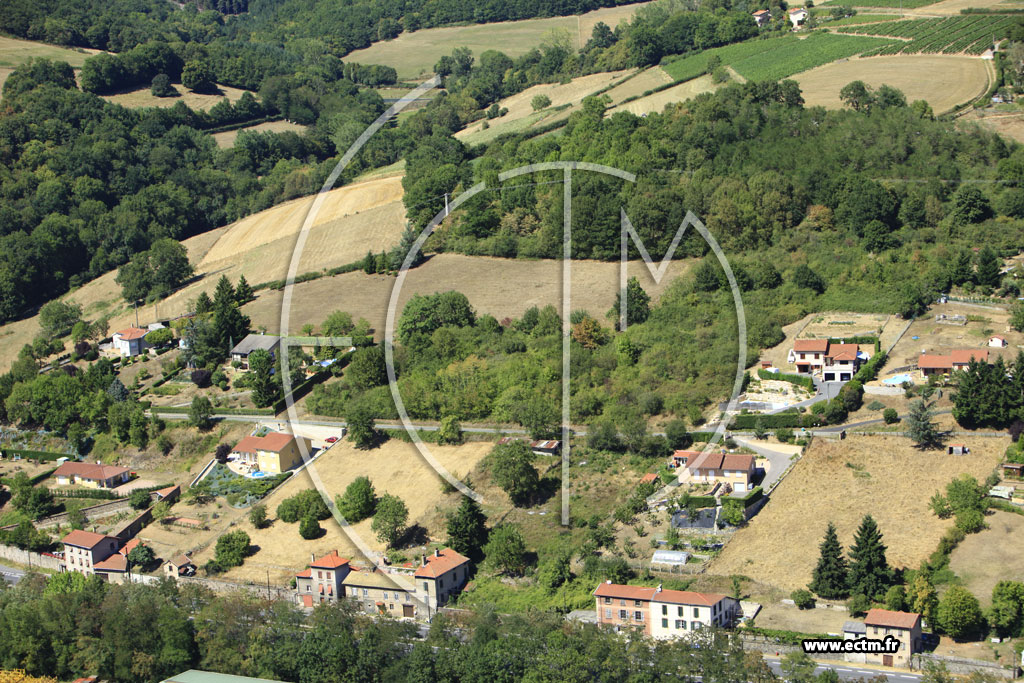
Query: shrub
point(802, 598)
point(309, 528)
point(858, 604)
point(890, 416)
point(201, 378)
point(785, 435)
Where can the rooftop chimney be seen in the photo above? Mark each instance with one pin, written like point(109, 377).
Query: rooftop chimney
point(437, 552)
point(658, 589)
point(312, 558)
point(423, 560)
point(608, 581)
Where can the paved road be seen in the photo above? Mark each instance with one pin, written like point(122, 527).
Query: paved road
point(10, 574)
point(852, 672)
point(778, 460)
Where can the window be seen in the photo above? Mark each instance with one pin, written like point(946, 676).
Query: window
point(607, 613)
point(636, 603)
point(607, 601)
point(695, 625)
point(319, 575)
point(664, 623)
point(679, 611)
point(309, 587)
point(391, 607)
point(696, 612)
point(407, 597)
point(622, 603)
point(440, 583)
point(426, 588)
point(638, 616)
point(622, 614)
point(681, 624)
point(365, 592)
point(664, 609)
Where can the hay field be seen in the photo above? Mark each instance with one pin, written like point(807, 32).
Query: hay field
point(414, 54)
point(395, 467)
point(987, 557)
point(645, 80)
point(656, 102)
point(143, 98)
point(353, 219)
point(780, 545)
point(14, 51)
point(501, 287)
point(520, 110)
point(944, 81)
point(227, 138)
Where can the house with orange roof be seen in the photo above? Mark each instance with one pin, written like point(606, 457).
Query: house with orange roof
point(85, 550)
point(944, 364)
point(440, 576)
point(272, 453)
point(662, 613)
point(736, 470)
point(380, 593)
point(130, 341)
point(323, 580)
point(761, 17)
point(879, 623)
point(832, 362)
point(92, 475)
point(179, 565)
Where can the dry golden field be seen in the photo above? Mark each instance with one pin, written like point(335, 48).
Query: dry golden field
point(990, 556)
point(227, 138)
point(656, 102)
point(893, 483)
point(143, 98)
point(944, 81)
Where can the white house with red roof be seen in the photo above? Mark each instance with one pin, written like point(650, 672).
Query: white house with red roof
point(761, 17)
point(944, 364)
point(797, 16)
point(440, 576)
point(323, 580)
point(734, 469)
point(660, 613)
point(832, 362)
point(92, 475)
point(85, 550)
point(130, 341)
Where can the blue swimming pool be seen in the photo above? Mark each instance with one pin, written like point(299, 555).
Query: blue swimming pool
point(898, 379)
point(258, 475)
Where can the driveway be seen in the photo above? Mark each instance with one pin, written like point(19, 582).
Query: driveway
point(778, 456)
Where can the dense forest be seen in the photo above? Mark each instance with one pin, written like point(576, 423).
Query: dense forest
point(68, 626)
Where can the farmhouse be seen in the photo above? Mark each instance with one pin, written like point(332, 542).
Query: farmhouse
point(130, 341)
point(797, 16)
point(254, 342)
point(808, 354)
point(944, 364)
point(322, 581)
point(733, 469)
point(998, 341)
point(661, 613)
point(879, 623)
point(274, 453)
point(377, 592)
point(440, 576)
point(762, 17)
point(84, 551)
point(92, 475)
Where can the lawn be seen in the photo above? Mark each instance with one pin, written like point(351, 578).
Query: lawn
point(775, 58)
point(142, 97)
point(14, 51)
point(414, 54)
point(841, 481)
point(227, 138)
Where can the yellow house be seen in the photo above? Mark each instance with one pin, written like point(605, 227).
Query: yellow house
point(92, 475)
point(274, 453)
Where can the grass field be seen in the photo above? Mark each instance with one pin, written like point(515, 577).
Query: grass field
point(143, 98)
point(780, 545)
point(944, 81)
point(1009, 124)
point(982, 559)
point(501, 287)
point(395, 467)
point(895, 4)
point(227, 138)
point(521, 115)
point(656, 102)
point(14, 51)
point(859, 19)
point(775, 58)
point(414, 54)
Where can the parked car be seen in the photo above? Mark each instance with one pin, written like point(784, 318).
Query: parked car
point(331, 439)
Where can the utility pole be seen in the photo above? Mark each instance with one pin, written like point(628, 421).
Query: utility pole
point(136, 304)
point(446, 195)
point(268, 584)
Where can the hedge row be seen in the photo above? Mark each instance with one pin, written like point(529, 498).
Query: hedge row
point(869, 370)
point(788, 637)
point(799, 380)
point(311, 275)
point(752, 497)
point(9, 481)
point(104, 494)
point(776, 421)
point(183, 410)
point(38, 455)
point(865, 339)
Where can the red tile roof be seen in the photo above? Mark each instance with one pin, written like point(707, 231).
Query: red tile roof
point(835, 350)
point(85, 539)
point(932, 361)
point(617, 590)
point(274, 442)
point(688, 598)
point(304, 574)
point(649, 477)
point(132, 333)
point(720, 461)
point(445, 561)
point(889, 619)
point(760, 12)
point(964, 356)
point(89, 470)
point(130, 546)
point(998, 336)
point(810, 345)
point(330, 561)
point(163, 493)
point(114, 563)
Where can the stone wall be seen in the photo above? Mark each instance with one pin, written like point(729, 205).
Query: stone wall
point(29, 559)
point(962, 665)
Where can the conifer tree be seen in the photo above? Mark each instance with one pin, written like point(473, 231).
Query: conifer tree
point(869, 571)
point(920, 427)
point(467, 529)
point(243, 292)
point(830, 576)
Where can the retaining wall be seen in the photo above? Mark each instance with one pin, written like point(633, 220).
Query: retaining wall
point(24, 557)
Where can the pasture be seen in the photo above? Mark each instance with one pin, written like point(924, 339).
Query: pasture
point(228, 137)
point(142, 97)
point(944, 81)
point(655, 102)
point(841, 481)
point(982, 559)
point(413, 55)
point(14, 51)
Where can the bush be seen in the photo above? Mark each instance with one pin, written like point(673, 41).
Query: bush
point(201, 378)
point(799, 380)
point(890, 416)
point(858, 604)
point(309, 528)
point(304, 504)
point(231, 549)
point(802, 598)
point(785, 435)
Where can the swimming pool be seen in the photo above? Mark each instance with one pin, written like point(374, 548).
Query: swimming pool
point(257, 475)
point(898, 379)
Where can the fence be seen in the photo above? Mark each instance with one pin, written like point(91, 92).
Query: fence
point(24, 557)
